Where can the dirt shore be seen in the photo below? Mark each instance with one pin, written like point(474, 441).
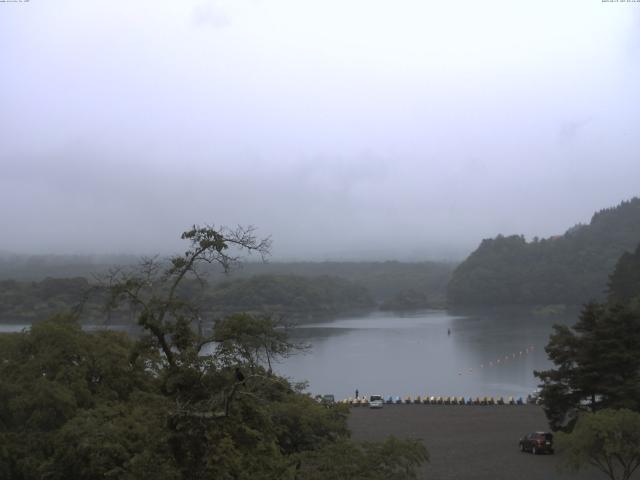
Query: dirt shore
point(468, 442)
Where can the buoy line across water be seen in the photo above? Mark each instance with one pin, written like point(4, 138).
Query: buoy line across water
point(502, 360)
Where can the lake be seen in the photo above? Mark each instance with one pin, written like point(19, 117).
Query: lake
point(485, 354)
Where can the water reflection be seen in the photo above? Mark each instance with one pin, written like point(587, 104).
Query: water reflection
point(11, 328)
point(413, 354)
point(420, 353)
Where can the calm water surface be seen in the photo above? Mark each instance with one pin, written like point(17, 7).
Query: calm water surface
point(485, 354)
point(492, 354)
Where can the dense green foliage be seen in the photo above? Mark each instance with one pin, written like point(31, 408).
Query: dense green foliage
point(568, 269)
point(177, 403)
point(597, 364)
point(297, 297)
point(407, 300)
point(292, 296)
point(297, 291)
point(33, 301)
point(597, 361)
point(288, 294)
point(383, 280)
point(608, 440)
point(85, 406)
point(624, 283)
point(74, 404)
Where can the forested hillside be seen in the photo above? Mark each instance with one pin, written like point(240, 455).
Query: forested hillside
point(288, 295)
point(294, 297)
point(23, 267)
point(40, 287)
point(177, 401)
point(80, 405)
point(624, 283)
point(26, 302)
point(569, 269)
point(383, 280)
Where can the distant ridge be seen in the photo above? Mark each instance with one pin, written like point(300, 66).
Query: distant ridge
point(567, 269)
point(18, 266)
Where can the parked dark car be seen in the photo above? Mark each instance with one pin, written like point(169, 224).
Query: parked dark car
point(537, 442)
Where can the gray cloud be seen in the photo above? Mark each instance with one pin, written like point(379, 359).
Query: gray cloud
point(210, 14)
point(343, 131)
point(569, 130)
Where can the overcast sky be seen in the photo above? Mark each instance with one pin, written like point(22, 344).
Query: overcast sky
point(348, 129)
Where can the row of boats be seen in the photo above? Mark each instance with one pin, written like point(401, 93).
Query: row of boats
point(431, 400)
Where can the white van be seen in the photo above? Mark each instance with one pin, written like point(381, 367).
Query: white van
point(376, 401)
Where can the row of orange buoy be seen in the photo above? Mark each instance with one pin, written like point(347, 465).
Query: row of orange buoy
point(502, 360)
point(433, 400)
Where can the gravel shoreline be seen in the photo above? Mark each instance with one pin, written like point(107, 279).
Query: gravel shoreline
point(468, 442)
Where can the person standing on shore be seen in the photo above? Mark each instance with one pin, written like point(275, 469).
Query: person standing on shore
point(357, 393)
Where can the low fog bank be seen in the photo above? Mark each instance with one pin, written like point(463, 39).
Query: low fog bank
point(369, 209)
point(36, 267)
point(345, 130)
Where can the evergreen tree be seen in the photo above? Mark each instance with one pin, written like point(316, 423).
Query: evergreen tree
point(624, 283)
point(177, 403)
point(597, 364)
point(565, 269)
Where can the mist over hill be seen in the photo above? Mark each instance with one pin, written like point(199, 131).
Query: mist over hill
point(32, 288)
point(566, 269)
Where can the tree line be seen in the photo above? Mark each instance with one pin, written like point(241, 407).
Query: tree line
point(79, 405)
point(568, 269)
point(296, 296)
point(592, 394)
